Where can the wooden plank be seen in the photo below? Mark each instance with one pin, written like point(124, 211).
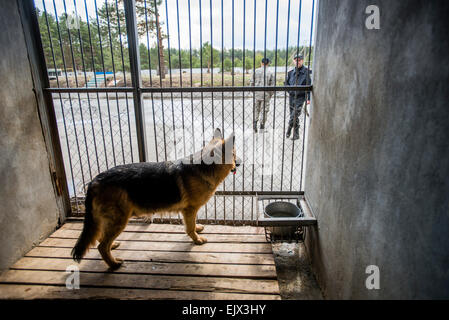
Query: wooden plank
point(148, 267)
point(254, 248)
point(176, 228)
point(162, 256)
point(9, 291)
point(167, 237)
point(139, 281)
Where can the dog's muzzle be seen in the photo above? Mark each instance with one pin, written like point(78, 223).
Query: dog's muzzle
point(238, 162)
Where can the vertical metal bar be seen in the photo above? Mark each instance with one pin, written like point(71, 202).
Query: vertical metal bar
point(212, 84)
point(171, 80)
point(159, 36)
point(296, 76)
point(180, 80)
point(201, 68)
point(124, 80)
point(222, 100)
point(307, 82)
point(88, 98)
point(136, 80)
point(254, 102)
point(95, 78)
point(275, 79)
point(264, 93)
point(191, 78)
point(285, 92)
point(115, 81)
point(104, 74)
point(79, 97)
point(70, 99)
point(151, 79)
point(171, 93)
point(243, 103)
point(222, 75)
point(233, 111)
point(212, 62)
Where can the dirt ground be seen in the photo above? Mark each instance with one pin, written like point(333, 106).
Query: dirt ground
point(296, 280)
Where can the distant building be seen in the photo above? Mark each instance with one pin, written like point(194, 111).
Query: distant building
point(54, 73)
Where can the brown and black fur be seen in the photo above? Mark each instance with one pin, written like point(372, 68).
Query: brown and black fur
point(137, 189)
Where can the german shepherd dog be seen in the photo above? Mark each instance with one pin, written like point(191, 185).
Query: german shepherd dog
point(137, 189)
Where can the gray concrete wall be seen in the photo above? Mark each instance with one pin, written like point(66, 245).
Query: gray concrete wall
point(28, 211)
point(377, 155)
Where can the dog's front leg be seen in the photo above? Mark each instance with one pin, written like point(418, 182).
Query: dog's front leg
point(190, 224)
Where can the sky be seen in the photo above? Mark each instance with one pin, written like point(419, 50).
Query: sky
point(202, 28)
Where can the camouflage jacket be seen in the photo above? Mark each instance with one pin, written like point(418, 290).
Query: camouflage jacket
point(257, 80)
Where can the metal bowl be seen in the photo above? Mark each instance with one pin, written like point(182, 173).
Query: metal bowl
point(282, 209)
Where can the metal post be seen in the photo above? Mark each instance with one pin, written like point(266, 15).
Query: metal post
point(134, 60)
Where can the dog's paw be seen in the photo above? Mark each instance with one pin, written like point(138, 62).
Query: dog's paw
point(199, 228)
point(200, 240)
point(147, 219)
point(118, 263)
point(115, 245)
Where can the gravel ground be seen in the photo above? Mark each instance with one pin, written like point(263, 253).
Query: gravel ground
point(296, 280)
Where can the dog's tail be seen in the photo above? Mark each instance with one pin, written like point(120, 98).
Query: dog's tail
point(87, 237)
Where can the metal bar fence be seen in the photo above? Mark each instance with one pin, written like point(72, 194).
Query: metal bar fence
point(93, 54)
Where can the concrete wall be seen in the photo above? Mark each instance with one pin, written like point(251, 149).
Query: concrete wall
point(28, 211)
point(377, 175)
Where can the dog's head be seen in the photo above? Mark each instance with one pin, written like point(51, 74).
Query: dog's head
point(221, 151)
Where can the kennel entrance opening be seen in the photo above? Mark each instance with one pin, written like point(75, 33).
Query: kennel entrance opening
point(131, 90)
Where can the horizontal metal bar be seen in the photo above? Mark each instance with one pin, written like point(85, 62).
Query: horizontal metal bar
point(179, 221)
point(301, 221)
point(289, 194)
point(89, 90)
point(230, 89)
point(307, 88)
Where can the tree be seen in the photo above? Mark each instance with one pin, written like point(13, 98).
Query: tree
point(238, 63)
point(113, 25)
point(210, 55)
point(248, 65)
point(227, 65)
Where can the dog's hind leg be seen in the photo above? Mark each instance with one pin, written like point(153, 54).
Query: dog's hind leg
point(191, 227)
point(115, 245)
point(111, 230)
point(199, 227)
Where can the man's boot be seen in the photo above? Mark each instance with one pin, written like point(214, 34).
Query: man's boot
point(262, 127)
point(289, 131)
point(255, 126)
point(296, 133)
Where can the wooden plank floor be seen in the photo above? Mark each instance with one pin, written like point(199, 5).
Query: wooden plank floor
point(161, 262)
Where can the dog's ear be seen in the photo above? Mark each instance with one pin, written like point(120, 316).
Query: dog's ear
point(217, 134)
point(228, 147)
point(231, 139)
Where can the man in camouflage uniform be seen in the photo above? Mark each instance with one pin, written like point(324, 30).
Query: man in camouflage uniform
point(299, 76)
point(262, 78)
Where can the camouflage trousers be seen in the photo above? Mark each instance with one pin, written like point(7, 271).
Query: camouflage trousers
point(261, 110)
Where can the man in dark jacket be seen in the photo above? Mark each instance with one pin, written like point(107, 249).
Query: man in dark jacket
point(299, 76)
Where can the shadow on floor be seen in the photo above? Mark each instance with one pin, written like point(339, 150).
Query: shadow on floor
point(296, 280)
